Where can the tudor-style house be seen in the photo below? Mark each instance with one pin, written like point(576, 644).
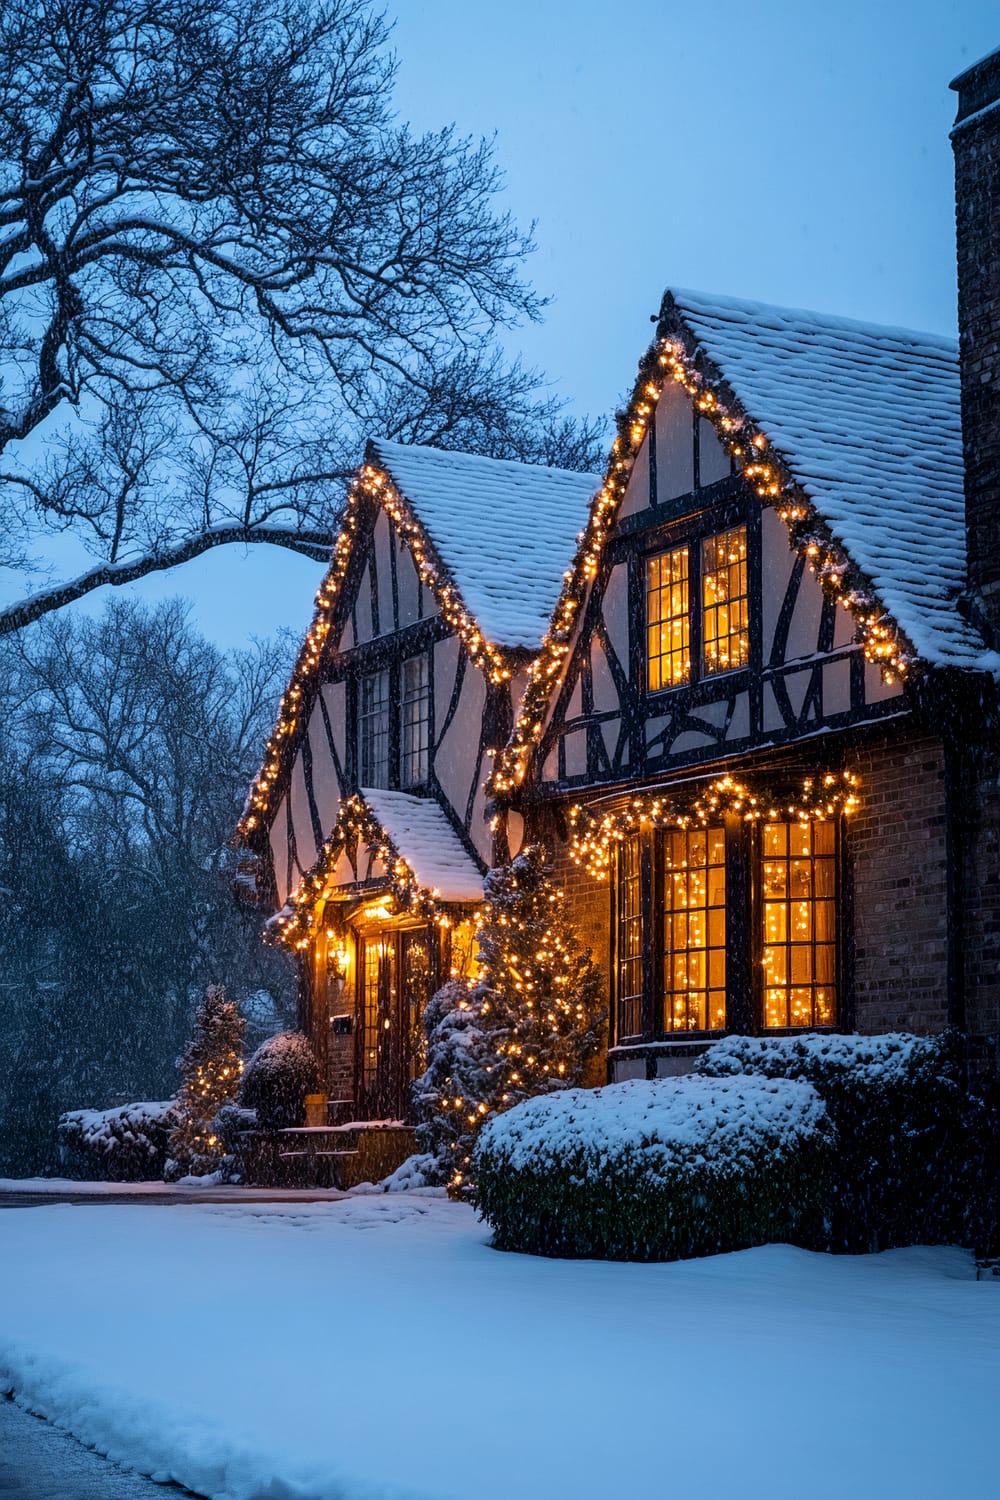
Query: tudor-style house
point(743, 688)
point(369, 814)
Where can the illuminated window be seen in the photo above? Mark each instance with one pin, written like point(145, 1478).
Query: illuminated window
point(373, 729)
point(379, 970)
point(668, 627)
point(725, 602)
point(629, 987)
point(694, 930)
point(800, 924)
point(415, 711)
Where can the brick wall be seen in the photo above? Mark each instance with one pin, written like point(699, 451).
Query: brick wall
point(979, 810)
point(976, 140)
point(898, 858)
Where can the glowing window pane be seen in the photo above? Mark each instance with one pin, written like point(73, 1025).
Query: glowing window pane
point(725, 601)
point(799, 882)
point(668, 630)
point(694, 930)
point(629, 966)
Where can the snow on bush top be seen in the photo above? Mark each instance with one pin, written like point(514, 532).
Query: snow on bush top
point(888, 1060)
point(97, 1127)
point(671, 1123)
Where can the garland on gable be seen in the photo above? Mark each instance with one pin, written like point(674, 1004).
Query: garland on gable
point(373, 483)
point(594, 835)
point(294, 925)
point(669, 359)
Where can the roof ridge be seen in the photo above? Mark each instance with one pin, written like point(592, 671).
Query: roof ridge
point(945, 342)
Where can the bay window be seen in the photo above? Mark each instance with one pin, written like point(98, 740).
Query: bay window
point(733, 926)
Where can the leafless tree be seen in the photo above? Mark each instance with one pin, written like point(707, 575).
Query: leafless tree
point(222, 260)
point(126, 743)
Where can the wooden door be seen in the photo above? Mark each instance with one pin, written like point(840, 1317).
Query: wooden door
point(399, 974)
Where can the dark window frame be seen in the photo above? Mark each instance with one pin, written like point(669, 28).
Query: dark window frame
point(393, 669)
point(744, 942)
point(692, 532)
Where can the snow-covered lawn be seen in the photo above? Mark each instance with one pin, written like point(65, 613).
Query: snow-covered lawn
point(376, 1347)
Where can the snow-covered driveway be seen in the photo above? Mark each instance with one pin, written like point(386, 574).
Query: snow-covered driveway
point(378, 1347)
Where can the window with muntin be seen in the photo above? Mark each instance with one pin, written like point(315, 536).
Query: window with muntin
point(697, 602)
point(691, 902)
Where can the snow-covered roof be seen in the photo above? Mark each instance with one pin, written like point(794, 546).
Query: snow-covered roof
point(505, 531)
point(869, 421)
point(421, 833)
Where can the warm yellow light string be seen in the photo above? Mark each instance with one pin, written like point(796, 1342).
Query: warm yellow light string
point(293, 927)
point(668, 361)
point(374, 483)
point(595, 835)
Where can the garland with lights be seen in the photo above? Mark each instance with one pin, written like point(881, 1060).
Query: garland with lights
point(371, 483)
point(595, 835)
point(293, 926)
point(674, 357)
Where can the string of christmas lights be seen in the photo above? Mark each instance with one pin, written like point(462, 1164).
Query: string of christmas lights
point(373, 483)
point(295, 924)
point(595, 836)
point(670, 360)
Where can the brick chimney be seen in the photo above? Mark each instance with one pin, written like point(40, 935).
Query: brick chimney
point(976, 141)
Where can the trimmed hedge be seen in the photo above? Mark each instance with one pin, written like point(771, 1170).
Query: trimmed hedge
point(126, 1144)
point(656, 1171)
point(912, 1160)
point(277, 1079)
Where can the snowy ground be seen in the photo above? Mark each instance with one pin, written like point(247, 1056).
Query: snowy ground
point(376, 1347)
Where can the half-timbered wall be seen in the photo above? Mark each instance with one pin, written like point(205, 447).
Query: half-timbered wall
point(803, 674)
point(386, 617)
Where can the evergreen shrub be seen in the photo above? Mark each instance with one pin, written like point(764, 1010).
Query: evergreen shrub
point(528, 1024)
point(277, 1079)
point(126, 1144)
point(210, 1068)
point(913, 1144)
point(656, 1170)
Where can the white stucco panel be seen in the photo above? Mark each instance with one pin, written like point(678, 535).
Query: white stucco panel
point(674, 444)
point(637, 492)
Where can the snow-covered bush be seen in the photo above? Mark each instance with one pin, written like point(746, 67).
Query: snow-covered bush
point(277, 1079)
point(656, 1170)
point(909, 1160)
point(127, 1144)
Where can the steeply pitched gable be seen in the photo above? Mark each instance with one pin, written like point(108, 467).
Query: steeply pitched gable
point(504, 531)
point(868, 419)
point(851, 431)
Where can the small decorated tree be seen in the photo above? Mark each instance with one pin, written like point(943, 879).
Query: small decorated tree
point(528, 1025)
point(460, 1084)
point(542, 1000)
point(210, 1069)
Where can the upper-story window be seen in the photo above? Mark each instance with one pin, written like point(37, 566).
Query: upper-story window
point(373, 729)
point(415, 714)
point(725, 636)
point(393, 725)
point(713, 572)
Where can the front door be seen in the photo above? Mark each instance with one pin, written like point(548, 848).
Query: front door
point(399, 972)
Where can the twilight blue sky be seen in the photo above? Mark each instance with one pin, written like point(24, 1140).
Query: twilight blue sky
point(793, 152)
